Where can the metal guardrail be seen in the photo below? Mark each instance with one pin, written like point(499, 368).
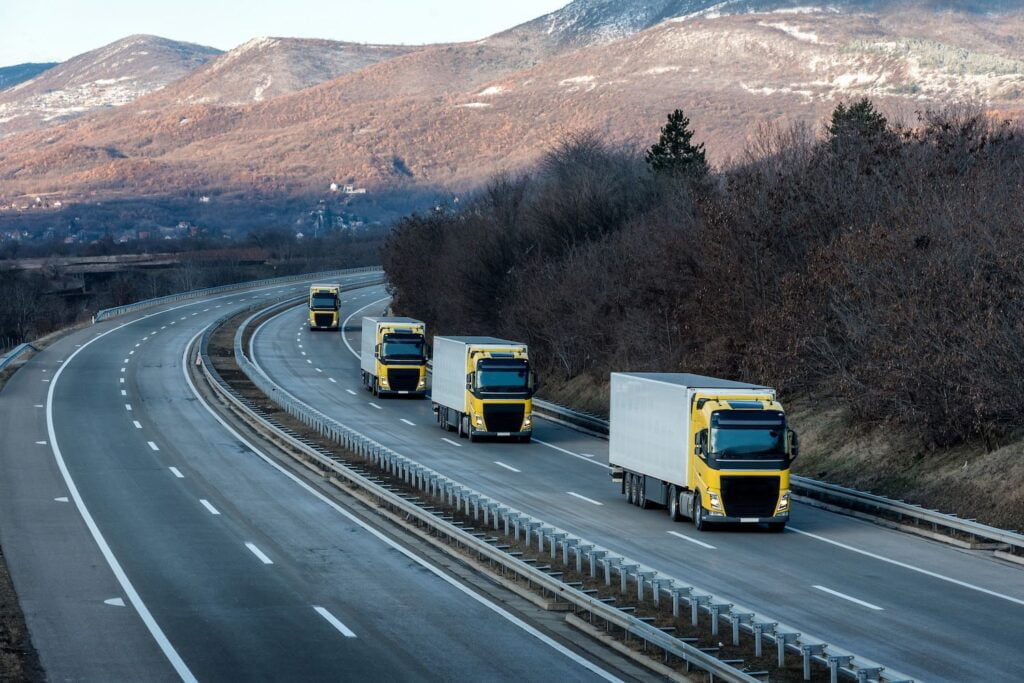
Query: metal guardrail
point(108, 313)
point(586, 553)
point(15, 353)
point(847, 497)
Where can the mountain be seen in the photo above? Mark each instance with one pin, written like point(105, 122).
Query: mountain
point(263, 68)
point(11, 76)
point(110, 76)
point(445, 117)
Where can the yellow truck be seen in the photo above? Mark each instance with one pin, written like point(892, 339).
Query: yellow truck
point(393, 356)
point(710, 449)
point(483, 386)
point(324, 302)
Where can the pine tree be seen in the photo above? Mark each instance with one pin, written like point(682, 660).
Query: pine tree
point(674, 152)
point(859, 120)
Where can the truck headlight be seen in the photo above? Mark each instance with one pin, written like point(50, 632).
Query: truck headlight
point(716, 502)
point(479, 420)
point(784, 501)
point(383, 381)
point(422, 384)
point(528, 422)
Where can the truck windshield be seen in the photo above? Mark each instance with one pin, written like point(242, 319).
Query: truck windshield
point(502, 376)
point(748, 434)
point(403, 347)
point(323, 301)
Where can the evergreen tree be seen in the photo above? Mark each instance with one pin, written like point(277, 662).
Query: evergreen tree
point(858, 120)
point(674, 152)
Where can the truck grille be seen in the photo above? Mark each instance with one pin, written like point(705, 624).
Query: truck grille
point(323, 319)
point(403, 379)
point(503, 417)
point(750, 496)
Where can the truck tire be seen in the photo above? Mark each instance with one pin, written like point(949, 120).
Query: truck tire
point(463, 426)
point(673, 503)
point(641, 493)
point(628, 486)
point(698, 513)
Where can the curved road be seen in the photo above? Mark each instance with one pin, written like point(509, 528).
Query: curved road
point(147, 541)
point(928, 609)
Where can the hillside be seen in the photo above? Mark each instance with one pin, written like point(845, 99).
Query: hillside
point(11, 76)
point(110, 76)
point(444, 117)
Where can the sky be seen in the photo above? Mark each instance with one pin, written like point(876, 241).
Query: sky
point(54, 30)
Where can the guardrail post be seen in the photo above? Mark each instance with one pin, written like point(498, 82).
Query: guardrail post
point(718, 608)
point(529, 527)
point(641, 577)
point(677, 594)
point(808, 651)
point(781, 641)
point(696, 601)
point(869, 674)
point(581, 550)
point(566, 545)
point(624, 570)
point(595, 555)
point(542, 533)
point(658, 584)
point(609, 562)
point(555, 538)
point(760, 628)
point(835, 663)
point(738, 620)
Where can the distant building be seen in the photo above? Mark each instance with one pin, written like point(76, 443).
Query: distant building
point(352, 189)
point(204, 199)
point(334, 187)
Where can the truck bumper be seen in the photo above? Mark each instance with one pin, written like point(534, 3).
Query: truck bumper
point(504, 435)
point(388, 392)
point(723, 519)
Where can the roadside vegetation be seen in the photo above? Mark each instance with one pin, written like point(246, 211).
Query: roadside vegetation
point(873, 273)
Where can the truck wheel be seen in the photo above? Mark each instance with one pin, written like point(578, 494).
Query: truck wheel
point(629, 487)
point(699, 521)
point(641, 493)
point(673, 504)
point(463, 426)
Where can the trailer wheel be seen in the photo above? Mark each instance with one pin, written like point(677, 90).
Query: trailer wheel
point(673, 503)
point(698, 513)
point(628, 479)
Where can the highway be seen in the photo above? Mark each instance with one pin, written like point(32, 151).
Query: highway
point(931, 610)
point(149, 541)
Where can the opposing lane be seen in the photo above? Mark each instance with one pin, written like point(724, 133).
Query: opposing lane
point(923, 617)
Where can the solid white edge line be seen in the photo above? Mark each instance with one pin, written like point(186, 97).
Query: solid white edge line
point(507, 467)
point(589, 500)
point(258, 553)
point(351, 315)
point(693, 540)
point(844, 596)
point(209, 506)
point(333, 621)
point(505, 614)
point(934, 575)
point(575, 455)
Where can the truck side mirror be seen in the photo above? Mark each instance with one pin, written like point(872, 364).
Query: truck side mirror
point(376, 351)
point(700, 450)
point(534, 383)
point(794, 445)
point(469, 381)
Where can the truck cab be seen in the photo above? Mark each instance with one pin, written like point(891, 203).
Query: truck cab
point(743, 448)
point(393, 356)
point(324, 305)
